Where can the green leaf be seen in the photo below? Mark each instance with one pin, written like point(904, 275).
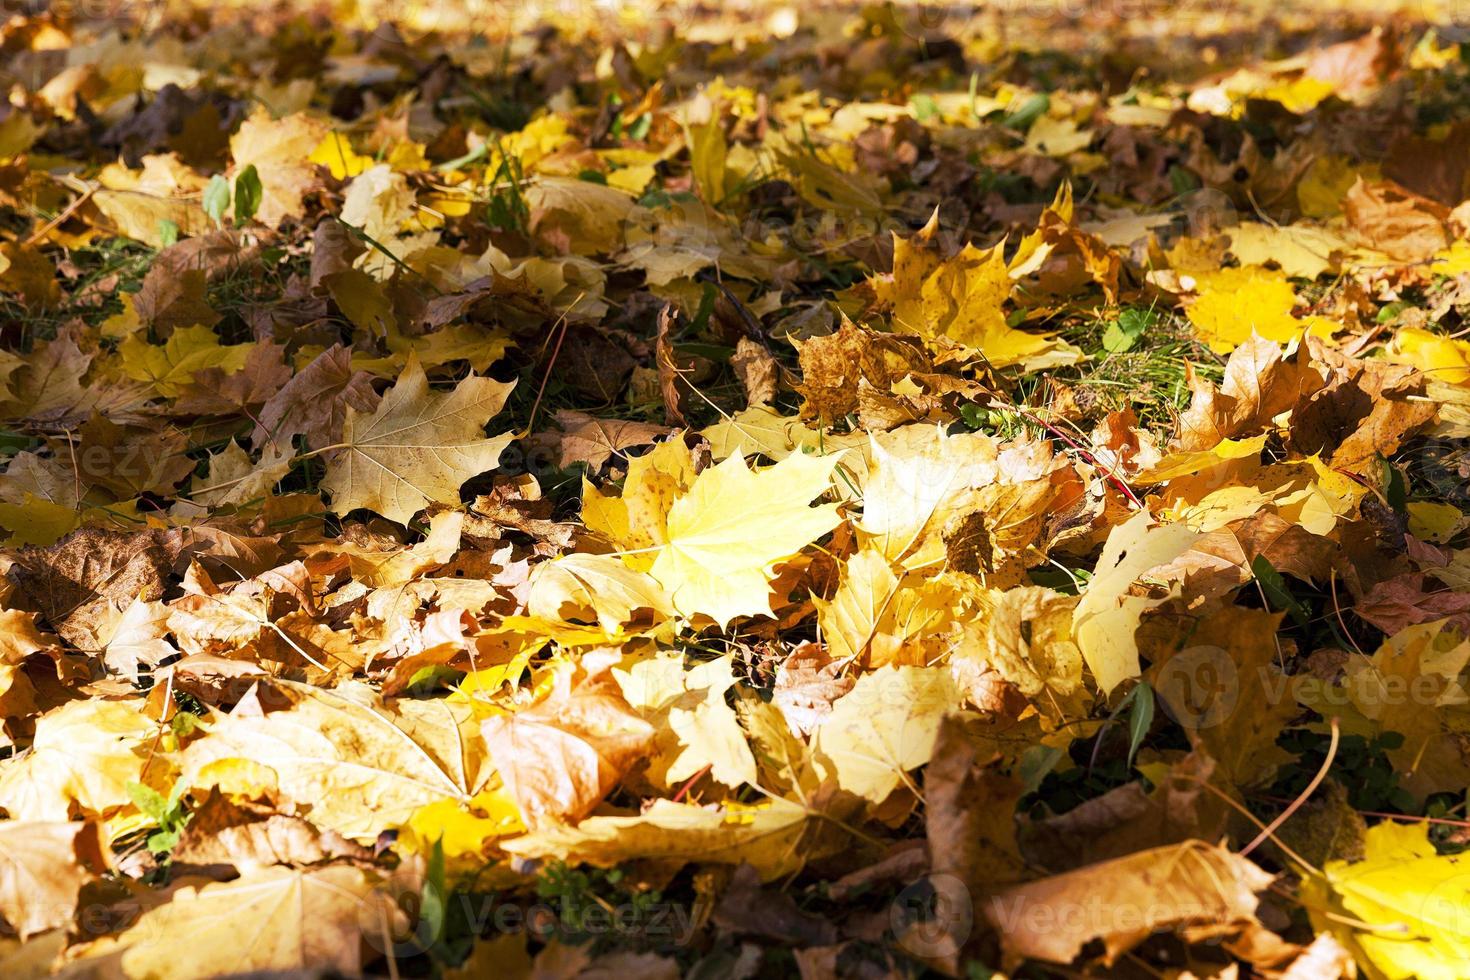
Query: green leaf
point(1395, 489)
point(217, 198)
point(1278, 593)
point(1036, 762)
point(433, 677)
point(1027, 112)
point(149, 800)
point(1140, 719)
point(184, 724)
point(168, 232)
point(248, 193)
point(925, 108)
point(1124, 332)
point(433, 901)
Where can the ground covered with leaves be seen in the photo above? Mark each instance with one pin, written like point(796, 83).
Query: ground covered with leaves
point(857, 491)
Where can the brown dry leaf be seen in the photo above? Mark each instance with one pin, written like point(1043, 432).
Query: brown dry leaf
point(1130, 818)
point(249, 836)
point(832, 367)
point(594, 441)
point(1360, 65)
point(808, 681)
point(561, 756)
point(757, 370)
point(1259, 385)
point(82, 584)
point(1396, 221)
point(28, 273)
point(216, 391)
point(127, 461)
point(1397, 603)
point(668, 371)
point(577, 214)
point(314, 403)
point(43, 866)
point(1366, 408)
point(747, 909)
point(1025, 635)
point(969, 808)
point(1164, 888)
point(172, 299)
point(1434, 167)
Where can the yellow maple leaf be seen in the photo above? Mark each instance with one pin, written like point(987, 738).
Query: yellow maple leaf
point(1326, 182)
point(883, 728)
point(1441, 358)
point(360, 762)
point(696, 728)
point(768, 836)
point(637, 520)
point(81, 760)
point(879, 618)
point(463, 828)
point(417, 447)
point(1234, 302)
point(912, 490)
point(724, 537)
point(583, 586)
point(1107, 616)
point(961, 299)
point(271, 919)
point(1401, 909)
point(170, 368)
point(336, 154)
point(761, 429)
point(1301, 250)
point(559, 757)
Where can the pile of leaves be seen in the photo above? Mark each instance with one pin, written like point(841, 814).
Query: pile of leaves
point(857, 491)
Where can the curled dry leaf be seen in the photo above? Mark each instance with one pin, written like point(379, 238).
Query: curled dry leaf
point(1163, 888)
point(560, 757)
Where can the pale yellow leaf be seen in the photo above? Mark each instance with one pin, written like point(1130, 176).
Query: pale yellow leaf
point(884, 728)
point(1108, 615)
point(417, 447)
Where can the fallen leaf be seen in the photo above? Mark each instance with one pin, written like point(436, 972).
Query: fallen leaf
point(883, 728)
point(560, 757)
point(43, 866)
point(1159, 889)
point(417, 447)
